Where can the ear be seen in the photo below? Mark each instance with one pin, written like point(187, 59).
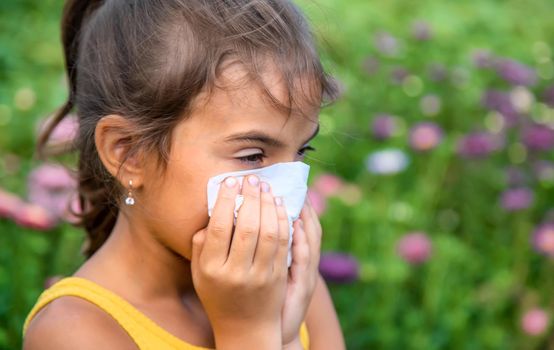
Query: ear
point(113, 139)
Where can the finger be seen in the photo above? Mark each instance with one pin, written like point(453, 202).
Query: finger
point(312, 229)
point(280, 263)
point(220, 226)
point(268, 239)
point(300, 252)
point(248, 224)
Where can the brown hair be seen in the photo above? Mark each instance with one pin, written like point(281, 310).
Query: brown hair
point(147, 59)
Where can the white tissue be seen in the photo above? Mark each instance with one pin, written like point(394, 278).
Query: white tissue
point(288, 180)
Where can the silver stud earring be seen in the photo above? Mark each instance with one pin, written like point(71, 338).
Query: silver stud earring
point(130, 200)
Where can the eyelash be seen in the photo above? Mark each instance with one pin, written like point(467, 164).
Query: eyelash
point(260, 156)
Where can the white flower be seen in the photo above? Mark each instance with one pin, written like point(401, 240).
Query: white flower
point(387, 161)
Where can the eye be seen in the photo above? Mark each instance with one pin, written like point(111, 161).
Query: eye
point(252, 158)
point(302, 152)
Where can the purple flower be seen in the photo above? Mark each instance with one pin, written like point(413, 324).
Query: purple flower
point(548, 96)
point(538, 137)
point(339, 267)
point(483, 58)
point(398, 75)
point(421, 30)
point(515, 72)
point(437, 71)
point(386, 44)
point(384, 126)
point(535, 321)
point(501, 102)
point(371, 65)
point(515, 199)
point(414, 248)
point(425, 136)
point(478, 145)
point(543, 239)
point(53, 187)
point(35, 217)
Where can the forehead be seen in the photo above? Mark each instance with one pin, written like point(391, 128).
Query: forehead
point(237, 103)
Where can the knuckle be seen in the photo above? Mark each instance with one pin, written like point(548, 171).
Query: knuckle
point(218, 228)
point(270, 236)
point(284, 241)
point(247, 230)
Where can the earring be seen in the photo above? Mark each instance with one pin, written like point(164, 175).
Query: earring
point(130, 200)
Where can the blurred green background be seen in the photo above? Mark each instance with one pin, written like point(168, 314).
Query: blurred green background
point(433, 175)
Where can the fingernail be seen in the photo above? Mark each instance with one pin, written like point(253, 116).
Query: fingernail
point(253, 180)
point(265, 187)
point(230, 182)
point(278, 201)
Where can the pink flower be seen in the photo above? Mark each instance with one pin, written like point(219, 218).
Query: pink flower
point(535, 321)
point(318, 201)
point(414, 248)
point(53, 187)
point(515, 199)
point(328, 184)
point(9, 204)
point(543, 239)
point(35, 217)
point(64, 134)
point(425, 136)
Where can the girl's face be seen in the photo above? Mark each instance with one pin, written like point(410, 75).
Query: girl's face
point(235, 129)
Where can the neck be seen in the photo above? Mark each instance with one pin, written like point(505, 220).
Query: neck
point(137, 266)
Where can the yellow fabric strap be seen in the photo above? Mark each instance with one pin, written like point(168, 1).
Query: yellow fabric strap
point(144, 332)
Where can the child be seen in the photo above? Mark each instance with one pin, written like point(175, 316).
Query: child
point(168, 94)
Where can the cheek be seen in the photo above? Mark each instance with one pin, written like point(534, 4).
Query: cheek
point(178, 209)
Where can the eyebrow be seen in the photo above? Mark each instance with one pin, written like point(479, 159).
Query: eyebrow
point(262, 137)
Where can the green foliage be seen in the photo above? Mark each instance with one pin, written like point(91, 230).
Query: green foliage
point(483, 273)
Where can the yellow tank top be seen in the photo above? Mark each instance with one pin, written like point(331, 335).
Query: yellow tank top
point(145, 333)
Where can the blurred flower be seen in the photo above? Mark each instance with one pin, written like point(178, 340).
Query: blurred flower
point(522, 99)
point(538, 137)
point(35, 217)
point(421, 30)
point(437, 71)
point(319, 203)
point(425, 136)
point(25, 98)
point(535, 321)
point(477, 145)
point(515, 72)
point(339, 267)
point(328, 184)
point(386, 44)
point(371, 65)
point(384, 126)
point(414, 248)
point(9, 204)
point(502, 103)
point(430, 105)
point(350, 194)
point(386, 162)
point(483, 58)
point(62, 137)
point(398, 75)
point(515, 199)
point(515, 176)
point(548, 96)
point(543, 239)
point(544, 170)
point(53, 187)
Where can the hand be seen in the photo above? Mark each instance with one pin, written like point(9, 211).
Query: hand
point(303, 272)
point(240, 277)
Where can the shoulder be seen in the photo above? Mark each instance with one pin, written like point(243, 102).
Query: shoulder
point(73, 323)
point(322, 321)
